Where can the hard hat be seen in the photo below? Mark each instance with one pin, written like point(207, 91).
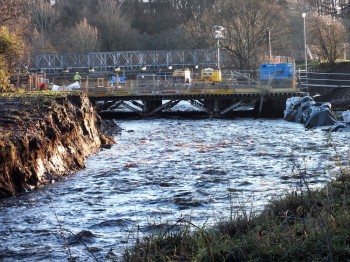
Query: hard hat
point(77, 72)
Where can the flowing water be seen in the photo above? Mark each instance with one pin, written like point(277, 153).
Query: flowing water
point(161, 171)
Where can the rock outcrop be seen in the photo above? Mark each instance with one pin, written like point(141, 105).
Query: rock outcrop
point(44, 136)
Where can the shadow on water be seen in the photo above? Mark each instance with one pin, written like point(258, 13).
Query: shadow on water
point(177, 114)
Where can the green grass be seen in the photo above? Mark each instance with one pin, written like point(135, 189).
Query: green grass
point(310, 64)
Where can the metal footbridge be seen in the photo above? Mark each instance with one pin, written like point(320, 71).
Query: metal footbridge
point(127, 60)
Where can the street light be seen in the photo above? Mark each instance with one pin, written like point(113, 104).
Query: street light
point(218, 35)
point(117, 69)
point(91, 70)
point(65, 71)
point(305, 47)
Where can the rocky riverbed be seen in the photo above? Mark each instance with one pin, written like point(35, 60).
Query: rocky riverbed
point(44, 136)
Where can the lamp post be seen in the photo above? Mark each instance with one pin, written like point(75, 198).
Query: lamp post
point(65, 71)
point(170, 68)
point(218, 35)
point(117, 69)
point(91, 70)
point(305, 47)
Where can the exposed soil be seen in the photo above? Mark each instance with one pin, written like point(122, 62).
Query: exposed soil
point(45, 136)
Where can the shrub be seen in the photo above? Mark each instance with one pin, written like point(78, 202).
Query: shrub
point(10, 52)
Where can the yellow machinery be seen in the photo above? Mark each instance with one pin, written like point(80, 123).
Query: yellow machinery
point(182, 75)
point(211, 75)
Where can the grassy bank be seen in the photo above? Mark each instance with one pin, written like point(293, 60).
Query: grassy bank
point(305, 225)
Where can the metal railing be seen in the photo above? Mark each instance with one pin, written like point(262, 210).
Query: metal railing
point(161, 84)
point(152, 84)
point(324, 80)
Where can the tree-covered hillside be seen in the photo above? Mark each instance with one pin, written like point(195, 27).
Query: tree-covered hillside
point(62, 26)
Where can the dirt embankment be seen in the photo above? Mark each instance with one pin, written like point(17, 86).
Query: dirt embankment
point(45, 136)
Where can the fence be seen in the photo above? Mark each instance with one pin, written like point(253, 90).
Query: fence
point(152, 84)
point(323, 80)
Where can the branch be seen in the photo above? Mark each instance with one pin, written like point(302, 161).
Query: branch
point(11, 10)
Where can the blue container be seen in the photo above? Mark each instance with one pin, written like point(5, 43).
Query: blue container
point(276, 71)
point(121, 80)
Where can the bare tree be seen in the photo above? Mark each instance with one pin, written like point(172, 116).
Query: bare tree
point(246, 23)
point(325, 7)
point(39, 43)
point(115, 27)
point(158, 24)
point(199, 29)
point(329, 36)
point(165, 40)
point(81, 38)
point(71, 12)
point(44, 16)
point(11, 10)
point(44, 21)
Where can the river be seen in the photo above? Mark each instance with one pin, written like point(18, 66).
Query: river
point(161, 171)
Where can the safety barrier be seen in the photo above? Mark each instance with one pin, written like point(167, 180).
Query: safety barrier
point(158, 84)
point(324, 80)
point(152, 84)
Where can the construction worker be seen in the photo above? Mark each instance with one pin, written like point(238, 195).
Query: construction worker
point(77, 77)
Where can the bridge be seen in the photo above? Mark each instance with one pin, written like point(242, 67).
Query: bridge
point(235, 92)
point(126, 60)
point(152, 94)
point(217, 99)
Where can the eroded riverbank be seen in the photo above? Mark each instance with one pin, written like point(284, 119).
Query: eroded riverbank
point(44, 136)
